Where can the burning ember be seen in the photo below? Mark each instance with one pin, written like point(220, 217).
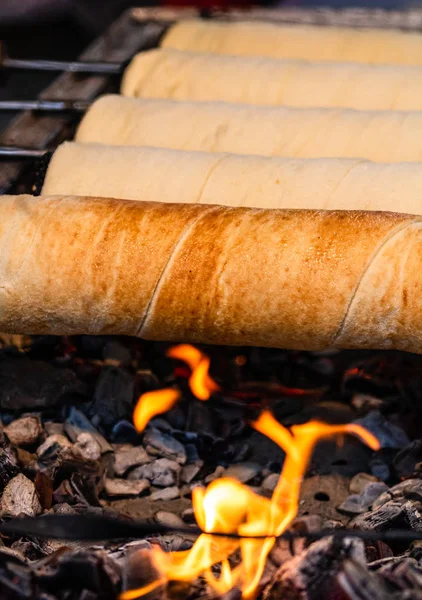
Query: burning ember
point(227, 506)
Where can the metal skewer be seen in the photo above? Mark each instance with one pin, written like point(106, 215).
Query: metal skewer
point(16, 152)
point(45, 105)
point(90, 67)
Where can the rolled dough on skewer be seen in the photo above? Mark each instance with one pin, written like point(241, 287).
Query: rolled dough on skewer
point(237, 276)
point(166, 73)
point(376, 46)
point(233, 180)
point(215, 127)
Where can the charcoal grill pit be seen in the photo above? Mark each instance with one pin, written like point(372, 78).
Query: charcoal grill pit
point(69, 386)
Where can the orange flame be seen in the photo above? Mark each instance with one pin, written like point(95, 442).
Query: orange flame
point(157, 402)
point(227, 506)
point(200, 383)
point(152, 404)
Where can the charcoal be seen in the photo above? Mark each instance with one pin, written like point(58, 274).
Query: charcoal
point(357, 583)
point(64, 494)
point(243, 472)
point(364, 403)
point(189, 472)
point(20, 497)
point(87, 446)
point(175, 542)
point(162, 444)
point(405, 574)
point(161, 472)
point(44, 488)
point(77, 423)
point(113, 396)
point(377, 550)
point(192, 455)
point(140, 571)
point(218, 472)
point(85, 488)
point(24, 431)
point(52, 428)
point(27, 460)
point(8, 465)
point(188, 516)
point(379, 468)
point(161, 424)
point(311, 574)
point(360, 481)
point(114, 353)
point(360, 503)
point(26, 383)
point(125, 488)
point(270, 483)
point(127, 457)
point(168, 493)
point(242, 453)
point(51, 448)
point(410, 489)
point(390, 515)
point(407, 459)
point(31, 550)
point(78, 571)
point(388, 434)
point(124, 432)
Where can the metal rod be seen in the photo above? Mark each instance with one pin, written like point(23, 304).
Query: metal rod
point(89, 527)
point(100, 68)
point(45, 105)
point(15, 152)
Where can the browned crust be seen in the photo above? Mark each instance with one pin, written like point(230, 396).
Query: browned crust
point(286, 278)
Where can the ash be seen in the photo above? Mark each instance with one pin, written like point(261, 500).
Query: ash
point(68, 446)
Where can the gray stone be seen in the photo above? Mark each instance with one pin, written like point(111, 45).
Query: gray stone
point(128, 457)
point(123, 487)
point(87, 446)
point(20, 497)
point(162, 444)
point(168, 493)
point(243, 472)
point(162, 472)
point(24, 431)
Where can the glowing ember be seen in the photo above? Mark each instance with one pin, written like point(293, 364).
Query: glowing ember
point(227, 506)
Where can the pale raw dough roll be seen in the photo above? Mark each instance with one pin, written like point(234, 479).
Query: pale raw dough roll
point(165, 73)
point(195, 273)
point(213, 127)
point(376, 46)
point(231, 180)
